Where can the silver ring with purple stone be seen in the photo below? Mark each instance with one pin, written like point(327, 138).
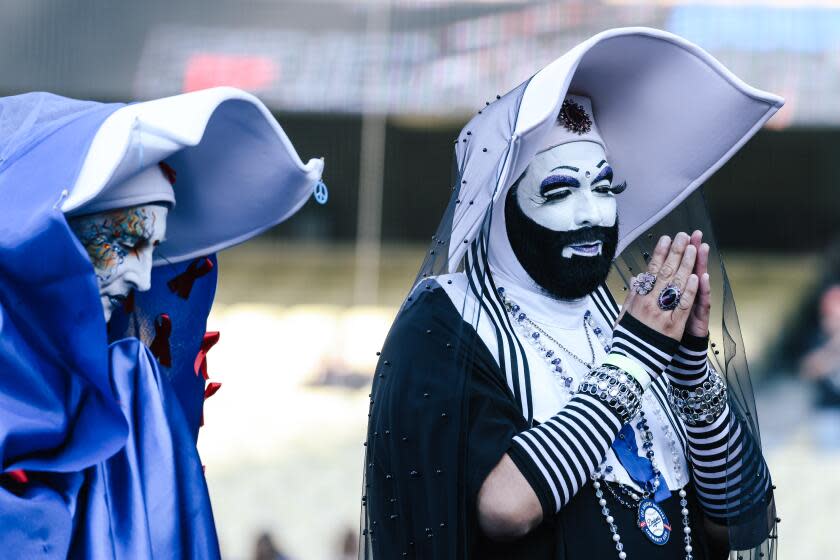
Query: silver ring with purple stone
point(643, 284)
point(669, 297)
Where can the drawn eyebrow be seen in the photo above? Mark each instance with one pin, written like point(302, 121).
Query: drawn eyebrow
point(575, 169)
point(606, 173)
point(602, 162)
point(556, 182)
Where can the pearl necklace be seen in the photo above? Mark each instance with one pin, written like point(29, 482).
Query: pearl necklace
point(533, 332)
point(642, 503)
point(536, 334)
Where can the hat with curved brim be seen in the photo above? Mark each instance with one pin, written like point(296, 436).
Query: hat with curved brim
point(237, 173)
point(669, 114)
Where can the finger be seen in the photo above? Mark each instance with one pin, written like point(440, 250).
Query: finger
point(686, 266)
point(704, 299)
point(702, 264)
point(688, 296)
point(702, 305)
point(659, 254)
point(672, 261)
point(696, 238)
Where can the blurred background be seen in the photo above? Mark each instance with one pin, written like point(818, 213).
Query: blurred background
point(380, 88)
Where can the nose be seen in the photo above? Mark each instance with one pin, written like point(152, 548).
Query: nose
point(144, 283)
point(139, 275)
point(586, 211)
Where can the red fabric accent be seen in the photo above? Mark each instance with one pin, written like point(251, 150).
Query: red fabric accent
point(210, 340)
point(128, 304)
point(170, 173)
point(211, 389)
point(183, 283)
point(160, 345)
point(19, 476)
point(251, 73)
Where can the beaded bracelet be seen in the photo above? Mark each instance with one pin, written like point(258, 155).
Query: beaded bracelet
point(702, 405)
point(613, 386)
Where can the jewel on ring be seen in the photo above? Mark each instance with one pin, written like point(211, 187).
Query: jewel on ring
point(669, 297)
point(643, 284)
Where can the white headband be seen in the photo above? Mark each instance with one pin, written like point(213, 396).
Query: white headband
point(575, 123)
point(149, 186)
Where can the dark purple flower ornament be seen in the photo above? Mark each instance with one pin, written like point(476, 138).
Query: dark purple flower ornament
point(573, 116)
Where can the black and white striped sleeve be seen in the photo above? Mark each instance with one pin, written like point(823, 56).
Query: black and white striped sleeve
point(729, 471)
point(651, 349)
point(558, 456)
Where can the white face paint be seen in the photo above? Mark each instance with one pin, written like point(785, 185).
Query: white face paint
point(567, 188)
point(120, 244)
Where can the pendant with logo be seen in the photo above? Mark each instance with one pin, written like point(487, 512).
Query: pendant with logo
point(653, 522)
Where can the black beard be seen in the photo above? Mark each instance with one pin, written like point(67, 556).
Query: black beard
point(540, 252)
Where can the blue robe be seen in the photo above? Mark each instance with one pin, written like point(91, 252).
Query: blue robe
point(97, 440)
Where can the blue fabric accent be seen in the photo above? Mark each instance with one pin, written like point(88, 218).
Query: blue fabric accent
point(61, 419)
point(638, 467)
point(189, 323)
point(149, 500)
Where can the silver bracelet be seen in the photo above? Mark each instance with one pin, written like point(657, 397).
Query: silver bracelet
point(616, 388)
point(702, 405)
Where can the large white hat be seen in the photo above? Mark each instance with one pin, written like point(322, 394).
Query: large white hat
point(237, 171)
point(669, 114)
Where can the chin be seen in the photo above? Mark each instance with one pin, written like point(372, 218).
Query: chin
point(107, 308)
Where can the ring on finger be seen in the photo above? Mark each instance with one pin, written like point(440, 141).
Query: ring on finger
point(669, 297)
point(643, 284)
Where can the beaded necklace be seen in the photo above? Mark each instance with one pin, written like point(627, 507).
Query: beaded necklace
point(651, 518)
point(536, 335)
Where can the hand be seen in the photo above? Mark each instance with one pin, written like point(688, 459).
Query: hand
point(698, 320)
point(672, 263)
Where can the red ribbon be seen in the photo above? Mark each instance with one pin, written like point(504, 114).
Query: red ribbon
point(183, 283)
point(170, 173)
point(209, 391)
point(160, 345)
point(18, 476)
point(210, 340)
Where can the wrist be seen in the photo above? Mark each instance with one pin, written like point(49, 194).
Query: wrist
point(695, 343)
point(651, 349)
point(633, 368)
point(689, 366)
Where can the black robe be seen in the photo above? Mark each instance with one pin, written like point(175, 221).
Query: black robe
point(442, 417)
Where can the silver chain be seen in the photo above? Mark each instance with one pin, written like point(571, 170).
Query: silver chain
point(588, 365)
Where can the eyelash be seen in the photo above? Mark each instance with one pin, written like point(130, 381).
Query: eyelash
point(135, 245)
point(561, 194)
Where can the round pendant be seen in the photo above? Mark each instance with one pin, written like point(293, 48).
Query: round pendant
point(653, 522)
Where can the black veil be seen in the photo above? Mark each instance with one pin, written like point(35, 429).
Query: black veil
point(418, 498)
point(753, 533)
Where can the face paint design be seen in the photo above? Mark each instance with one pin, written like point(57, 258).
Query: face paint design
point(561, 219)
point(540, 252)
point(120, 244)
point(569, 187)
